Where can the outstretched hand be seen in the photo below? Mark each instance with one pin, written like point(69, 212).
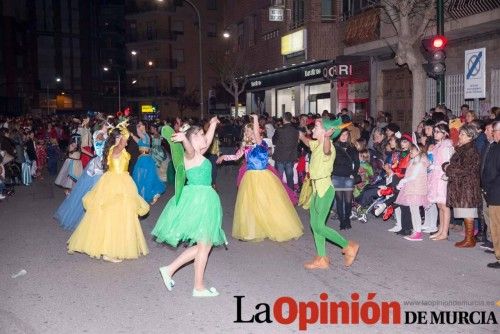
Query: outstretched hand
point(220, 159)
point(178, 137)
point(214, 120)
point(330, 132)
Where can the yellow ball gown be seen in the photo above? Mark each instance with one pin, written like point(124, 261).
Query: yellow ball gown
point(263, 208)
point(110, 226)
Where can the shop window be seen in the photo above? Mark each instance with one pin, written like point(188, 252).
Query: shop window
point(212, 30)
point(327, 10)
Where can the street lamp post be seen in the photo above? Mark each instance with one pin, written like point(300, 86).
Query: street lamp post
point(202, 103)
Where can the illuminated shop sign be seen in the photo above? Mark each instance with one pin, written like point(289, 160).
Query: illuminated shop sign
point(293, 42)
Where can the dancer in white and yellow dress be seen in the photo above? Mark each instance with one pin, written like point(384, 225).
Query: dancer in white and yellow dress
point(110, 227)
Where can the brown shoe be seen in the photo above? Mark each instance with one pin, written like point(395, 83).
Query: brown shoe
point(469, 240)
point(350, 253)
point(319, 262)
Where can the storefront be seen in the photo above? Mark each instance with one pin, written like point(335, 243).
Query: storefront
point(311, 88)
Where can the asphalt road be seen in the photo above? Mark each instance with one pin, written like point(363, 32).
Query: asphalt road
point(63, 293)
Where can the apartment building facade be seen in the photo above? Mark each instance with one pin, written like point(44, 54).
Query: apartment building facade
point(163, 63)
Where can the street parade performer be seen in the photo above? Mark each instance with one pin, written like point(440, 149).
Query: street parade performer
point(263, 208)
point(110, 227)
point(320, 171)
point(71, 211)
point(194, 214)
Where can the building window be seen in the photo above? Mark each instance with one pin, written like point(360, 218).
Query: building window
point(212, 30)
point(327, 9)
point(252, 30)
point(212, 4)
point(178, 55)
point(241, 35)
point(297, 14)
point(353, 7)
point(150, 31)
point(179, 82)
point(178, 27)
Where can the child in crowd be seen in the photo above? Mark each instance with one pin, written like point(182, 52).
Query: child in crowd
point(53, 156)
point(413, 189)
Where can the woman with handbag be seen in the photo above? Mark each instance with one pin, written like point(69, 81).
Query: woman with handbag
point(345, 176)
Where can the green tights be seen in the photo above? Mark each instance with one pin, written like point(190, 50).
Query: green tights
point(319, 211)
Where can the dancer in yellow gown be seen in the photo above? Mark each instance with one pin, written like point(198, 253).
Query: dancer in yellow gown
point(110, 227)
point(263, 208)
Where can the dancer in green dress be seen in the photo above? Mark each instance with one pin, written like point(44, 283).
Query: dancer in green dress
point(194, 214)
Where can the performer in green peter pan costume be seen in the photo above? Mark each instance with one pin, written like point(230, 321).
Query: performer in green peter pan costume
point(320, 171)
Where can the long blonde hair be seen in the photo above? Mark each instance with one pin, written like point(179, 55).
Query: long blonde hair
point(247, 141)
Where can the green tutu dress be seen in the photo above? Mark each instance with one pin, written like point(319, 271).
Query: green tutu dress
point(197, 217)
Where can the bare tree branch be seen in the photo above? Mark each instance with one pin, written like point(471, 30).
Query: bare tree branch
point(428, 15)
point(392, 12)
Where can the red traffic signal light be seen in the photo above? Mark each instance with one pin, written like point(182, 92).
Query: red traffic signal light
point(439, 42)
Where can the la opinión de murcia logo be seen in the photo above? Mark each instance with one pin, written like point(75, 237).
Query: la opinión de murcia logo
point(287, 311)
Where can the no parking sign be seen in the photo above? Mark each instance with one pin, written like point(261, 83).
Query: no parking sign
point(475, 74)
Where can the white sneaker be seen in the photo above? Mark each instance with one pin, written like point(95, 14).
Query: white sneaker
point(395, 229)
point(426, 230)
point(2, 196)
point(379, 209)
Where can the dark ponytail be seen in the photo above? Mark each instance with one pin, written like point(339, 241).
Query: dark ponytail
point(110, 141)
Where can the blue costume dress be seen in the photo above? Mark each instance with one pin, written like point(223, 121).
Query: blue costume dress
point(263, 208)
point(145, 175)
point(70, 212)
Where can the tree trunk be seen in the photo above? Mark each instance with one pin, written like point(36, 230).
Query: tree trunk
point(235, 95)
point(418, 95)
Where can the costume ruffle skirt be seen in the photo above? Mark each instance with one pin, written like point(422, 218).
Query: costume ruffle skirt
point(111, 225)
point(146, 178)
point(196, 218)
point(71, 211)
point(264, 210)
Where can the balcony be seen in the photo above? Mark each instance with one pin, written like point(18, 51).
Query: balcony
point(145, 36)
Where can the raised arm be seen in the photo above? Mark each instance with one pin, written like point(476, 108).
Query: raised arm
point(303, 138)
point(256, 130)
point(209, 136)
point(327, 144)
point(232, 157)
point(180, 137)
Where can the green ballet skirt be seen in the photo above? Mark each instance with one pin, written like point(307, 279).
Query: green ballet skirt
point(197, 217)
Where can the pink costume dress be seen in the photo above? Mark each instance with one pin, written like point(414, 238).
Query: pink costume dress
point(244, 151)
point(436, 179)
point(414, 185)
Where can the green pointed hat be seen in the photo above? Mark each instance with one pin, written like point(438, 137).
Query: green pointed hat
point(335, 124)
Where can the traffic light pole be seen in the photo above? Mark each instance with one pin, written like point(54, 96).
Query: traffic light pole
point(440, 91)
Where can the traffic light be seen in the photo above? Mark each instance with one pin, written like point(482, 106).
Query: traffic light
point(433, 50)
